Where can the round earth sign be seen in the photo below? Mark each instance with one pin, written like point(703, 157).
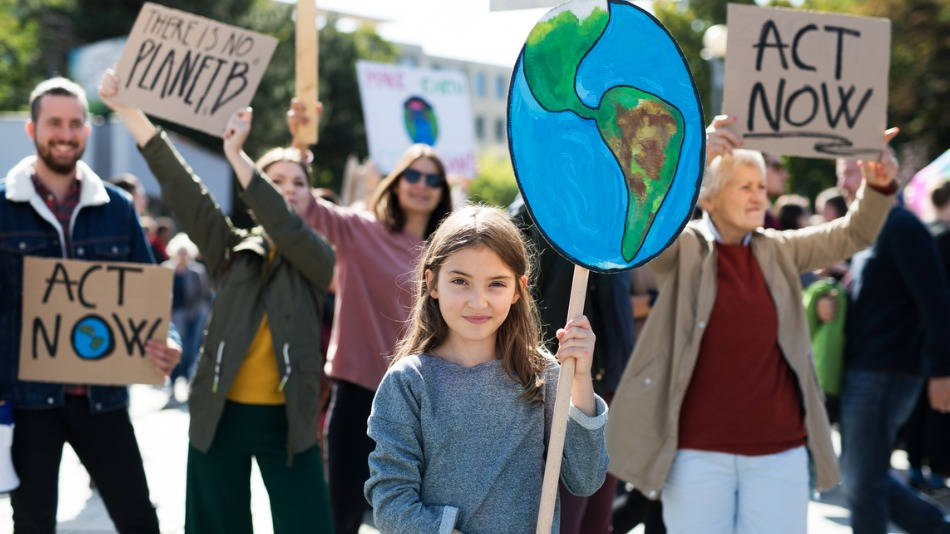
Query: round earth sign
point(92, 338)
point(606, 133)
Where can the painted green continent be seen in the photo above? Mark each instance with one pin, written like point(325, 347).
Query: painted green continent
point(644, 133)
point(554, 51)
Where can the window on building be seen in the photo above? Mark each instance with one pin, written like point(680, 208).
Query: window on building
point(499, 130)
point(480, 127)
point(480, 85)
point(501, 88)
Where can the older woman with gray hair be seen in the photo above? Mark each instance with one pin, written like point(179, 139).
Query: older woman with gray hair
point(719, 406)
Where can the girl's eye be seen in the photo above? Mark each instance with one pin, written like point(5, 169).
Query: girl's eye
point(457, 281)
point(498, 283)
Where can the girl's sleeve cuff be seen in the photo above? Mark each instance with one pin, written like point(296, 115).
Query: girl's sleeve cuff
point(449, 516)
point(587, 421)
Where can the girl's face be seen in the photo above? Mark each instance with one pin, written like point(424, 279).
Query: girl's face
point(415, 189)
point(292, 183)
point(475, 290)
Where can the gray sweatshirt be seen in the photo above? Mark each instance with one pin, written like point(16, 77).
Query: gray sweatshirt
point(456, 447)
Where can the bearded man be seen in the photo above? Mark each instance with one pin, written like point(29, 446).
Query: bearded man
point(53, 205)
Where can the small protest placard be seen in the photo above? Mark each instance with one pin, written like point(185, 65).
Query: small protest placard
point(88, 322)
point(190, 69)
point(406, 105)
point(806, 83)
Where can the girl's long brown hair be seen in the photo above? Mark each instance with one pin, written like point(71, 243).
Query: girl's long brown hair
point(518, 340)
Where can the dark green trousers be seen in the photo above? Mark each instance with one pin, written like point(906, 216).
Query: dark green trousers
point(218, 491)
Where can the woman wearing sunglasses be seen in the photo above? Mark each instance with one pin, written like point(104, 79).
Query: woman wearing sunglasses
point(376, 252)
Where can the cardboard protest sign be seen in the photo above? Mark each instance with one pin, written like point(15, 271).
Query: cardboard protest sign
point(88, 322)
point(805, 83)
point(606, 133)
point(189, 69)
point(406, 105)
point(503, 5)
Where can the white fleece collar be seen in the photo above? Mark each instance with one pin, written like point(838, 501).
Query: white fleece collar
point(20, 188)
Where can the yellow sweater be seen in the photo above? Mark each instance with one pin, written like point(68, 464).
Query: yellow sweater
point(258, 380)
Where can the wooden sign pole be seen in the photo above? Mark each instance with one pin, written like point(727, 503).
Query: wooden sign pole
point(552, 466)
point(307, 54)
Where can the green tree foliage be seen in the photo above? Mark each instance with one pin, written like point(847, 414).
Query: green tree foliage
point(495, 183)
point(19, 56)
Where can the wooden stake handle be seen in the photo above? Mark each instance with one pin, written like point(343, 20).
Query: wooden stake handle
point(306, 70)
point(552, 466)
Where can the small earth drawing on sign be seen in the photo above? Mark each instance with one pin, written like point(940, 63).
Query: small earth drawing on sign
point(420, 121)
point(603, 110)
point(92, 338)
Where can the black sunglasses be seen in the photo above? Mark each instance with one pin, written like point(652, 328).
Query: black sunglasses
point(433, 179)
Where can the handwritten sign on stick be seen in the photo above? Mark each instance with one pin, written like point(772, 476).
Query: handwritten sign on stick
point(189, 69)
point(806, 83)
point(88, 322)
point(406, 105)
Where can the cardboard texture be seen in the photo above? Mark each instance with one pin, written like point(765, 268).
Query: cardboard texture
point(805, 83)
point(406, 105)
point(88, 322)
point(189, 69)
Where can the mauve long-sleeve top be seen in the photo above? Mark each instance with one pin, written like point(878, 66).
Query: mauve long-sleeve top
point(375, 271)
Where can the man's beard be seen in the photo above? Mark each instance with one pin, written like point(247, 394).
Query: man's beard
point(44, 153)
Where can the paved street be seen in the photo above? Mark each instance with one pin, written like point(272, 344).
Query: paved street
point(162, 435)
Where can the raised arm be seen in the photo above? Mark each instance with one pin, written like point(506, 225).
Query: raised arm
point(195, 210)
point(817, 246)
point(308, 251)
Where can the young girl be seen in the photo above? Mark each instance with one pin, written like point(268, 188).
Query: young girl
point(376, 251)
point(462, 417)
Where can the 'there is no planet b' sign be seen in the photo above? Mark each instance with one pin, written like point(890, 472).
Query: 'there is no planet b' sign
point(190, 69)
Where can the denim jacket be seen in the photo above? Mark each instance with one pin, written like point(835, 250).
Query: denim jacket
point(104, 227)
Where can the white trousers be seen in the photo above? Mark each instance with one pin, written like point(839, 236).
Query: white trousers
point(718, 493)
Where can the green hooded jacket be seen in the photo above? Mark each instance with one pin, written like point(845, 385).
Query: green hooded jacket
point(291, 290)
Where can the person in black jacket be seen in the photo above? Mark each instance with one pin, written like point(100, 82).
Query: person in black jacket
point(896, 337)
point(608, 307)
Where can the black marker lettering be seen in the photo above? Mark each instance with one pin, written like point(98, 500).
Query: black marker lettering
point(82, 284)
point(843, 105)
point(122, 269)
point(775, 119)
point(767, 28)
point(839, 49)
point(148, 67)
point(234, 74)
point(131, 338)
point(791, 100)
point(59, 271)
point(798, 36)
point(39, 327)
point(210, 83)
point(146, 48)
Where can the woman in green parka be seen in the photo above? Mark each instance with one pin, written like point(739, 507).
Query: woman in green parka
point(254, 393)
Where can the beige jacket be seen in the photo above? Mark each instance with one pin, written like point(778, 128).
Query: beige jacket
point(644, 415)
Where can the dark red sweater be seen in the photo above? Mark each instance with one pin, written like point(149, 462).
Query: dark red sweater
point(743, 397)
